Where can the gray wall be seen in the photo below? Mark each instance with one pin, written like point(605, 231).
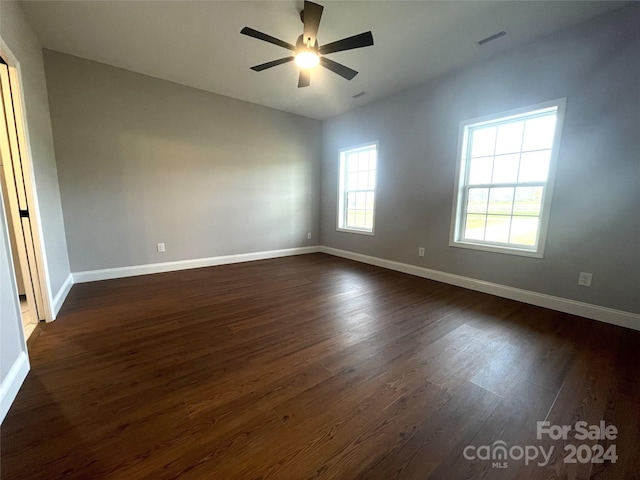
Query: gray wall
point(11, 337)
point(142, 161)
point(22, 42)
point(11, 342)
point(595, 219)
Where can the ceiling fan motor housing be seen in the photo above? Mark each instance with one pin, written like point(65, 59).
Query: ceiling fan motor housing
point(302, 46)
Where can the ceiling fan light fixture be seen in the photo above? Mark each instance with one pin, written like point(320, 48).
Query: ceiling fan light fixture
point(307, 59)
point(307, 54)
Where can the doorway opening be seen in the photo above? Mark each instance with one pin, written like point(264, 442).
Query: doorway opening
point(16, 183)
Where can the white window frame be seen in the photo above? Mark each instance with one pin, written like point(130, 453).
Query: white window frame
point(342, 189)
point(459, 201)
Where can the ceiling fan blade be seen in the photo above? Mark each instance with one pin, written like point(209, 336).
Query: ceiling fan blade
point(274, 63)
point(357, 41)
point(266, 38)
point(305, 78)
point(338, 68)
point(311, 18)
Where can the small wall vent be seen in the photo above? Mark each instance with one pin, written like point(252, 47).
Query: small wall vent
point(492, 37)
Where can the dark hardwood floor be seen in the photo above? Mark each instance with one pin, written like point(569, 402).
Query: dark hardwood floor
point(315, 367)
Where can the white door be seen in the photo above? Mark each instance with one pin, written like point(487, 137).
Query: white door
point(12, 152)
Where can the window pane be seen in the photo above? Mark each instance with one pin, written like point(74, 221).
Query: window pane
point(483, 141)
point(363, 180)
point(534, 166)
point(368, 220)
point(356, 218)
point(480, 170)
point(524, 230)
point(352, 163)
point(371, 184)
point(505, 168)
point(351, 200)
point(357, 188)
point(474, 227)
point(501, 200)
point(370, 199)
point(477, 200)
point(509, 138)
point(538, 133)
point(363, 161)
point(352, 181)
point(360, 218)
point(497, 229)
point(528, 201)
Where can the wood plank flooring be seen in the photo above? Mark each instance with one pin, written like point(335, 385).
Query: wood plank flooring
point(313, 367)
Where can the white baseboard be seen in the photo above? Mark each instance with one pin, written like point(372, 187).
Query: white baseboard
point(109, 273)
point(12, 383)
point(595, 312)
point(60, 297)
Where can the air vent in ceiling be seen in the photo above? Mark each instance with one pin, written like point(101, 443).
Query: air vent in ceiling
point(492, 37)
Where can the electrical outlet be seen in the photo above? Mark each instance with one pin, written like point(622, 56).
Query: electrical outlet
point(161, 248)
point(585, 278)
point(309, 236)
point(421, 251)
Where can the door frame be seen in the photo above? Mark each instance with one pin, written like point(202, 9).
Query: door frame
point(29, 181)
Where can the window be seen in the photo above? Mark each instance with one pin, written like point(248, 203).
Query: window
point(504, 181)
point(357, 189)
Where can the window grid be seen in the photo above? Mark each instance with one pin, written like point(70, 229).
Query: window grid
point(505, 176)
point(357, 189)
point(511, 209)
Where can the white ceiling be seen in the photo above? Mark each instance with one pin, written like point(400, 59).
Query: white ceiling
point(199, 43)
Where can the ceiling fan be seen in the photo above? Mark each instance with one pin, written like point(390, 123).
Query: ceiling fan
point(307, 52)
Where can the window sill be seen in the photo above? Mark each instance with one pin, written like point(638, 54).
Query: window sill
point(353, 230)
point(498, 249)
